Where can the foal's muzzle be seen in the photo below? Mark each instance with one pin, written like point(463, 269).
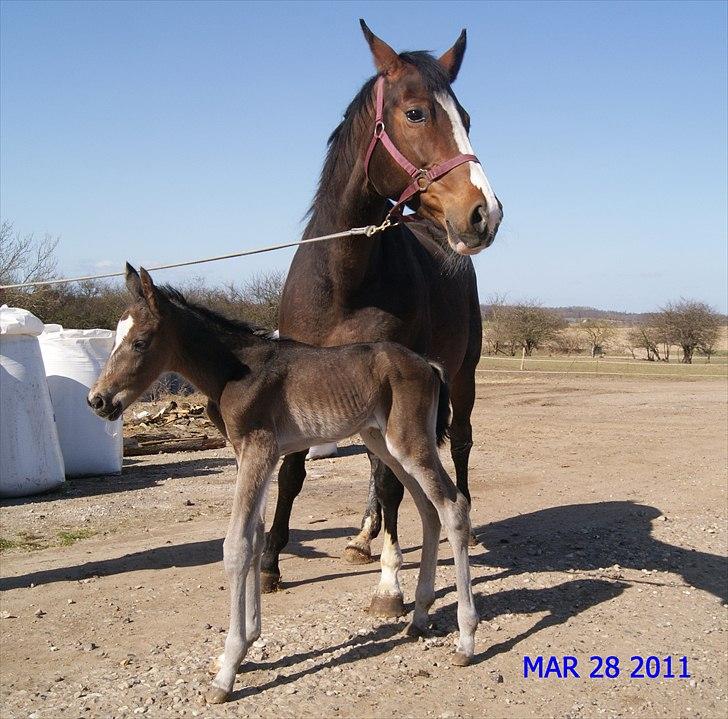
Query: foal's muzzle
point(105, 406)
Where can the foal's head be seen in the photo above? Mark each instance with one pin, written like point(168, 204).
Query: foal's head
point(428, 126)
point(142, 350)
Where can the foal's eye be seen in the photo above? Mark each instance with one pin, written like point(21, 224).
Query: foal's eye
point(139, 345)
point(416, 114)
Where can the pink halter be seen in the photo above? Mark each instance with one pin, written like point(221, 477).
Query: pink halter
point(421, 178)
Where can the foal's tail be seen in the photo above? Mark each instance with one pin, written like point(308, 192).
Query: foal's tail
point(444, 415)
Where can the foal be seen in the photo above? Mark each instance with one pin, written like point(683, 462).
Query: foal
point(274, 397)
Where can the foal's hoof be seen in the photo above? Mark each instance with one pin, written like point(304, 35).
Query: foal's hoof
point(215, 695)
point(387, 605)
point(473, 540)
point(461, 660)
point(354, 554)
point(414, 631)
point(269, 582)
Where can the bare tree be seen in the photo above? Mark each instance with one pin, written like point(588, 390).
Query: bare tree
point(23, 258)
point(525, 326)
point(597, 332)
point(691, 325)
point(566, 342)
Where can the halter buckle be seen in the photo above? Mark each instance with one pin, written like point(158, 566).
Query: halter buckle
point(378, 128)
point(422, 180)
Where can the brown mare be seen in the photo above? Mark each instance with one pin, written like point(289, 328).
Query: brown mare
point(415, 289)
point(269, 401)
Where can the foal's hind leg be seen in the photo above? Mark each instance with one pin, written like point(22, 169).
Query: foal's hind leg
point(358, 550)
point(290, 480)
point(452, 507)
point(417, 455)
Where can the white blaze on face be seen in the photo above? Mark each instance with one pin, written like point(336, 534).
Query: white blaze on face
point(122, 330)
point(477, 176)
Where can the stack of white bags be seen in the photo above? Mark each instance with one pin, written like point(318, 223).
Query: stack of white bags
point(47, 431)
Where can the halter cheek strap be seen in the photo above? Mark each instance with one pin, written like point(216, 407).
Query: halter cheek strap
point(421, 178)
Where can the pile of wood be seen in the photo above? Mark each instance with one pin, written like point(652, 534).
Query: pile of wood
point(175, 427)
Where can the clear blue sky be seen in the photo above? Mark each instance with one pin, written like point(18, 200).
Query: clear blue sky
point(165, 131)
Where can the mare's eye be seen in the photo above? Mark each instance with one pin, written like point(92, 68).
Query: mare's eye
point(416, 114)
point(139, 345)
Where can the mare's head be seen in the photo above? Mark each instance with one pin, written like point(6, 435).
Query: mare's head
point(428, 126)
point(142, 351)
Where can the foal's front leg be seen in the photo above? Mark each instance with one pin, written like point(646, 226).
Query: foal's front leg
point(241, 556)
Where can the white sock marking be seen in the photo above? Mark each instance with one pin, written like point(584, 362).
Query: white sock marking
point(391, 561)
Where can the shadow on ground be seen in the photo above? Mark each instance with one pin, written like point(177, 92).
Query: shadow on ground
point(572, 537)
point(135, 475)
point(593, 536)
point(190, 554)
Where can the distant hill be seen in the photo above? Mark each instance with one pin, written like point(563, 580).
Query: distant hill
point(576, 314)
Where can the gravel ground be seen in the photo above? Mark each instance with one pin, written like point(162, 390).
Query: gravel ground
point(600, 505)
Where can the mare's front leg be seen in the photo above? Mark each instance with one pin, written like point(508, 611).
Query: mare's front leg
point(359, 550)
point(290, 480)
point(257, 455)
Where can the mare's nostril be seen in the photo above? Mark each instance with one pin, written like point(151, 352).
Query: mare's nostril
point(479, 219)
point(96, 402)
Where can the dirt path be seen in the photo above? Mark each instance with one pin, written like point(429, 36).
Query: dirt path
point(601, 506)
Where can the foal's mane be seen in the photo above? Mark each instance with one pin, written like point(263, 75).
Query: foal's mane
point(216, 322)
point(344, 144)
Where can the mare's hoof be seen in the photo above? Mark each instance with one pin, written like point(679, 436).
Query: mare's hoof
point(215, 695)
point(473, 540)
point(414, 631)
point(385, 605)
point(269, 582)
point(357, 555)
point(461, 660)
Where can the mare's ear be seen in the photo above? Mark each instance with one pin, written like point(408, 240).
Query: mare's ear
point(149, 292)
point(133, 281)
point(386, 60)
point(453, 58)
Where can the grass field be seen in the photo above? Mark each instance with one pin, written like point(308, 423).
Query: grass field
point(717, 368)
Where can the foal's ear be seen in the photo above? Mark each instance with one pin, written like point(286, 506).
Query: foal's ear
point(133, 281)
point(386, 60)
point(149, 291)
point(453, 58)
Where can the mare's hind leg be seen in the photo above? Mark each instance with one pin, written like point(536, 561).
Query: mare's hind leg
point(256, 459)
point(425, 592)
point(290, 480)
point(387, 600)
point(462, 396)
point(358, 550)
point(414, 456)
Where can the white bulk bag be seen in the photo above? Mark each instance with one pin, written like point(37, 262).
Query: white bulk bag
point(30, 456)
point(73, 361)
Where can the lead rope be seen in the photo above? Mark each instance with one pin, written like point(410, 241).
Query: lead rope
point(368, 231)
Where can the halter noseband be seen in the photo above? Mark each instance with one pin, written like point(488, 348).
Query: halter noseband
point(421, 178)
